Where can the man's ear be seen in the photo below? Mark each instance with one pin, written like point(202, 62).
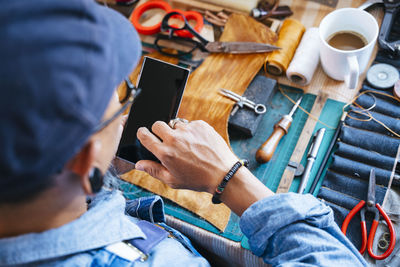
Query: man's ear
point(83, 162)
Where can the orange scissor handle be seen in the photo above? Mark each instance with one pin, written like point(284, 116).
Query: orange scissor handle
point(138, 12)
point(153, 29)
point(372, 235)
point(363, 237)
point(347, 220)
point(189, 15)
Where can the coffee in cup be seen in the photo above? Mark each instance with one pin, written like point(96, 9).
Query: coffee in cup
point(347, 40)
point(348, 37)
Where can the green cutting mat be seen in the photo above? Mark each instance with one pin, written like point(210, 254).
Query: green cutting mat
point(269, 173)
point(330, 115)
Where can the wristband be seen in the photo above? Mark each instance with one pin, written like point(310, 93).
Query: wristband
point(220, 188)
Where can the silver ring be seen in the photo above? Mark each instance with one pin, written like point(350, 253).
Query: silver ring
point(173, 122)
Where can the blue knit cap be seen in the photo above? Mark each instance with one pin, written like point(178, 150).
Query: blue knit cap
point(60, 62)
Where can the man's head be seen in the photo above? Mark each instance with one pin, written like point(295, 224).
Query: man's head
point(61, 63)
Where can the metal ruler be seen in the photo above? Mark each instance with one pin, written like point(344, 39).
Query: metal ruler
point(302, 144)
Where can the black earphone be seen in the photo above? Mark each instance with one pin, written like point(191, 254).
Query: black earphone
point(96, 179)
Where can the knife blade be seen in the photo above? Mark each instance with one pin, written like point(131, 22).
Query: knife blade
point(239, 47)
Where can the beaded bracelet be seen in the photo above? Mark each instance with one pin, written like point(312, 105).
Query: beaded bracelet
point(220, 188)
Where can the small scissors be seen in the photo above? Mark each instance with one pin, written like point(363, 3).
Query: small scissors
point(203, 44)
point(375, 208)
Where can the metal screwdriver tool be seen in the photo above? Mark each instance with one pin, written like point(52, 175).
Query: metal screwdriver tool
point(266, 150)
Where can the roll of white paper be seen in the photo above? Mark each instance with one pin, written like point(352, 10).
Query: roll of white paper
point(302, 67)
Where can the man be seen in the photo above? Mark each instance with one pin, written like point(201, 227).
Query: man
point(61, 63)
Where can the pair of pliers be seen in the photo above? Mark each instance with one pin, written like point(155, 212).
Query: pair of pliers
point(371, 206)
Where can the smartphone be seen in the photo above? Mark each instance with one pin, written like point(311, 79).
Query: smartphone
point(162, 87)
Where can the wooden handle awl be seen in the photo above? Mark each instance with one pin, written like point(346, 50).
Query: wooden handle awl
point(267, 150)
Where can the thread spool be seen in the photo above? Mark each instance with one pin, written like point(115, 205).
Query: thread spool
point(305, 61)
point(288, 39)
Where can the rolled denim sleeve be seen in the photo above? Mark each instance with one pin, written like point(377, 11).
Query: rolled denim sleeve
point(288, 229)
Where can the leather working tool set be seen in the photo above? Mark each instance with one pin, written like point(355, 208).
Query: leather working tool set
point(365, 150)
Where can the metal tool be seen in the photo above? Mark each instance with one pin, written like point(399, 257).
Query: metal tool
point(243, 102)
point(311, 156)
point(266, 150)
point(382, 76)
point(328, 153)
point(280, 11)
point(371, 206)
point(392, 8)
point(245, 121)
point(203, 44)
point(238, 47)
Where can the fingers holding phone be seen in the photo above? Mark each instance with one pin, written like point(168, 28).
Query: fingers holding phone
point(193, 156)
point(162, 85)
point(161, 129)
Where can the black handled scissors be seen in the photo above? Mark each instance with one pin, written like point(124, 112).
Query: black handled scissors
point(375, 208)
point(203, 44)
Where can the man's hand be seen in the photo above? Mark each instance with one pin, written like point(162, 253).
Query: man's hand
point(193, 155)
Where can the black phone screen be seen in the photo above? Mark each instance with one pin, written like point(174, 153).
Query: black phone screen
point(162, 87)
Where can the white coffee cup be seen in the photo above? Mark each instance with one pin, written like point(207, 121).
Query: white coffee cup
point(346, 65)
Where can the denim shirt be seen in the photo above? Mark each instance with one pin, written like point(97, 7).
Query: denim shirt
point(285, 229)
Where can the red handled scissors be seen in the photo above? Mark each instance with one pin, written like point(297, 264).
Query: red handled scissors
point(371, 206)
point(153, 29)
